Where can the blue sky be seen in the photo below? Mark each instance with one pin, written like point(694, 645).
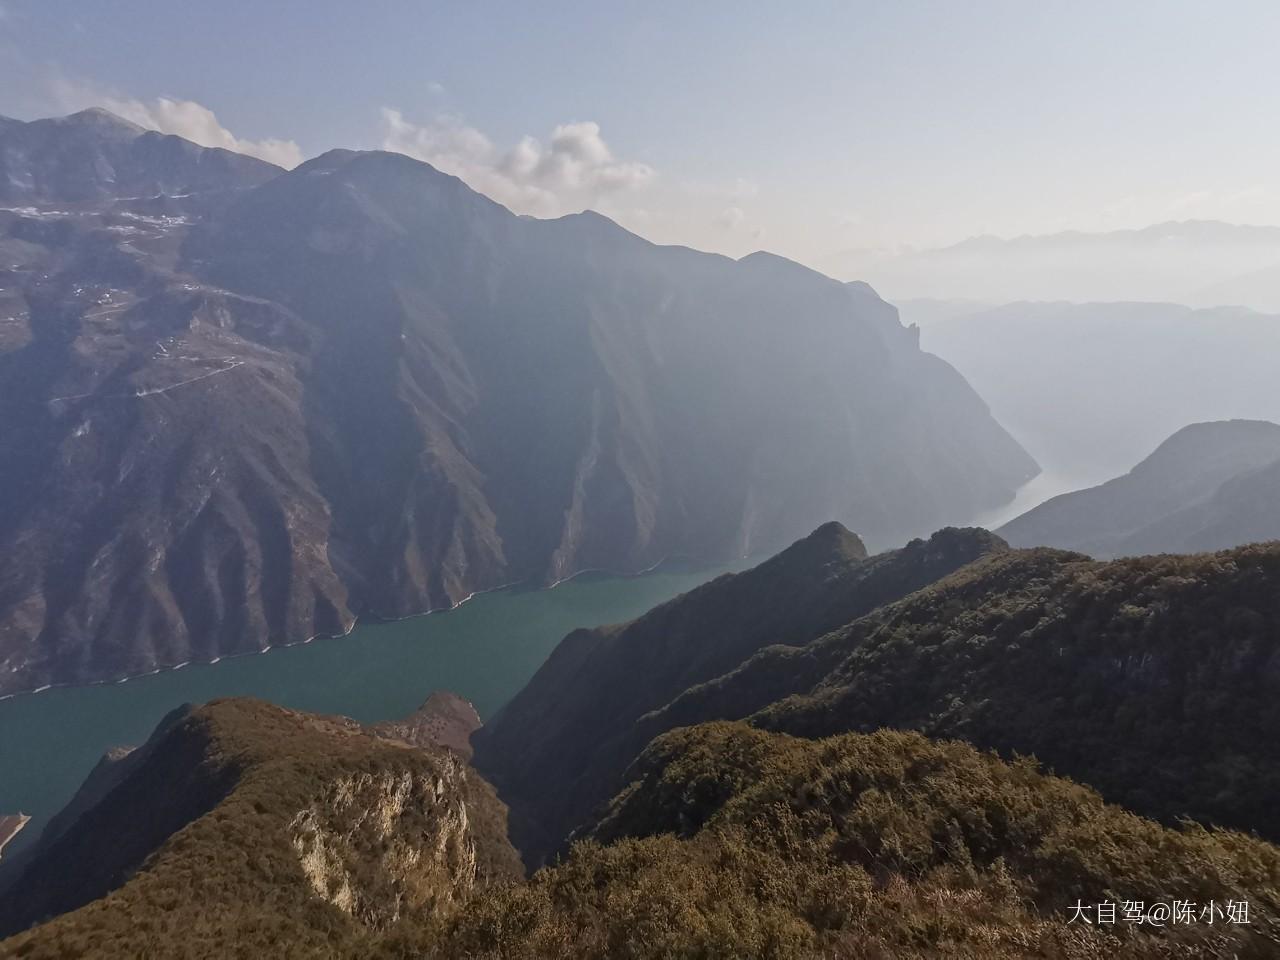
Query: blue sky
point(807, 128)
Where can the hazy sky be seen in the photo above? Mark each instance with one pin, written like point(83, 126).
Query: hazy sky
point(805, 128)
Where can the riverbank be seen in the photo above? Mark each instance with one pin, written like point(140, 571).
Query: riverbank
point(375, 619)
point(485, 650)
point(11, 825)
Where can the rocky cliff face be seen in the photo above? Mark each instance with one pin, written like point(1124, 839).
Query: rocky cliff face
point(248, 411)
point(243, 821)
point(11, 824)
point(727, 841)
point(431, 863)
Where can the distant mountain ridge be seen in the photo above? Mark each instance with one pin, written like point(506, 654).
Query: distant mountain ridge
point(256, 412)
point(1208, 487)
point(1168, 231)
point(1202, 263)
point(1091, 388)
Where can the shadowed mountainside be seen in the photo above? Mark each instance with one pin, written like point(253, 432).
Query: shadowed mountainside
point(250, 415)
point(1152, 679)
point(559, 748)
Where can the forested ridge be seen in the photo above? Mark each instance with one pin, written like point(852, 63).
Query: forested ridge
point(790, 779)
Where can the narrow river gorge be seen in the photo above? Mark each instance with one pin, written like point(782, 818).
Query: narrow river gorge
point(485, 650)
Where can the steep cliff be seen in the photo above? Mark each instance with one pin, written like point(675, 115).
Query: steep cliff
point(249, 825)
point(254, 412)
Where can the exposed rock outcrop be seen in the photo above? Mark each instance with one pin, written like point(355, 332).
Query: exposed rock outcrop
point(444, 720)
point(376, 844)
point(296, 825)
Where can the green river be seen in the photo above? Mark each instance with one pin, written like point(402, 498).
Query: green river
point(485, 650)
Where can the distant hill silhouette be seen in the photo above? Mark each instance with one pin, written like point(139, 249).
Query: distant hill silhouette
point(1203, 263)
point(1209, 486)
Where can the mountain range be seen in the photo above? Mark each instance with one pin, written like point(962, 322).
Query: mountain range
point(1208, 487)
point(742, 795)
point(1203, 263)
point(95, 157)
point(245, 406)
point(1152, 679)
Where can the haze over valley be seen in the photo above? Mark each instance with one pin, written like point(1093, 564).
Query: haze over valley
point(1089, 389)
point(508, 482)
point(1200, 263)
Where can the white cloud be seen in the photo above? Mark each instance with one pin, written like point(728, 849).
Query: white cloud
point(199, 124)
point(184, 118)
point(574, 169)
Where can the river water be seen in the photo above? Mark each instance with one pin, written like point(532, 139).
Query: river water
point(486, 650)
